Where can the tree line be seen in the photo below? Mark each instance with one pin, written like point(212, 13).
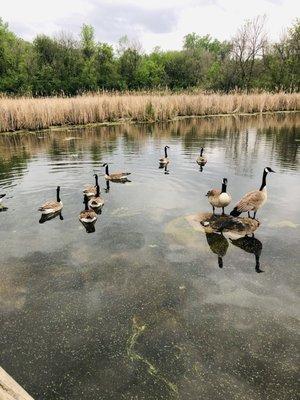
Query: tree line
point(66, 65)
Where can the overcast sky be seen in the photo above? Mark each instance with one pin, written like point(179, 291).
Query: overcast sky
point(153, 22)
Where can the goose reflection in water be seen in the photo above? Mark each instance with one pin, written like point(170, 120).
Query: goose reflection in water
point(48, 217)
point(107, 188)
point(201, 168)
point(89, 227)
point(165, 168)
point(218, 244)
point(250, 245)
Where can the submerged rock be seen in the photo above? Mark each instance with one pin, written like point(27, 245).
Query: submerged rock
point(209, 223)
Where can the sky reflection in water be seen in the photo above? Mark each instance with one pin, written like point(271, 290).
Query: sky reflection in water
point(140, 309)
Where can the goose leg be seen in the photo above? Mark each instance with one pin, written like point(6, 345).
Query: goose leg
point(223, 212)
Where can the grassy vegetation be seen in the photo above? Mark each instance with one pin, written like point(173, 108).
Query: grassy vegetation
point(27, 113)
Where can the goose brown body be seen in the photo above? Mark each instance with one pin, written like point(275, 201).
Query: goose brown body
point(219, 198)
point(116, 176)
point(87, 215)
point(253, 200)
point(89, 190)
point(52, 206)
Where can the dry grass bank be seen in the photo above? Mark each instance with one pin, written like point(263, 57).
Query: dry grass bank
point(40, 113)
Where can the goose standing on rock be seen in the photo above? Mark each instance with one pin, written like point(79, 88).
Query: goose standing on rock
point(96, 202)
point(201, 160)
point(52, 206)
point(219, 198)
point(120, 177)
point(164, 160)
point(253, 200)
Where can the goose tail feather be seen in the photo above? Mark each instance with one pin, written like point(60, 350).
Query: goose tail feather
point(235, 212)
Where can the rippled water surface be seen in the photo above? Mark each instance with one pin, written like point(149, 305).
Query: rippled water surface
point(140, 309)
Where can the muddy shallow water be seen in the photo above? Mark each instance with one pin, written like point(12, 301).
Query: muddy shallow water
point(140, 309)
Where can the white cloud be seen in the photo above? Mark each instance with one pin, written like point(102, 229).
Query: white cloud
point(153, 22)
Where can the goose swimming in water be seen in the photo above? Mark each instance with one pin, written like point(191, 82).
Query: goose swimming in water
point(120, 177)
point(96, 202)
point(87, 216)
point(253, 200)
point(91, 190)
point(219, 198)
point(52, 206)
point(164, 160)
point(201, 160)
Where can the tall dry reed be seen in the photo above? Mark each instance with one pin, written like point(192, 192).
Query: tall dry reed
point(39, 113)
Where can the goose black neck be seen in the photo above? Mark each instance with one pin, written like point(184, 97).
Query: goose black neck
point(201, 152)
point(224, 187)
point(97, 190)
point(96, 180)
point(86, 204)
point(57, 195)
point(264, 180)
point(106, 169)
point(166, 154)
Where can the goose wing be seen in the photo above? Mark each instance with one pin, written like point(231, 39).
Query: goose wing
point(49, 205)
point(89, 189)
point(213, 192)
point(88, 215)
point(95, 201)
point(163, 160)
point(250, 201)
point(119, 175)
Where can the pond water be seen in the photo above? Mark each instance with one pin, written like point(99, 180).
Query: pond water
point(139, 309)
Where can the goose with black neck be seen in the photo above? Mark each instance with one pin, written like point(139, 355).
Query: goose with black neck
point(219, 198)
point(254, 200)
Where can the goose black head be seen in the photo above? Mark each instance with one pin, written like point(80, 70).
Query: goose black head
point(104, 164)
point(268, 169)
point(225, 181)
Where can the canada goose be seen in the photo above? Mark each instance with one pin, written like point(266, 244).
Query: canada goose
point(250, 245)
point(164, 160)
point(2, 196)
point(52, 206)
point(120, 177)
point(219, 198)
point(218, 245)
point(90, 190)
point(252, 201)
point(87, 216)
point(201, 160)
point(96, 201)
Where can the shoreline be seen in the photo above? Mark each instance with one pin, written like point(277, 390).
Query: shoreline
point(130, 121)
